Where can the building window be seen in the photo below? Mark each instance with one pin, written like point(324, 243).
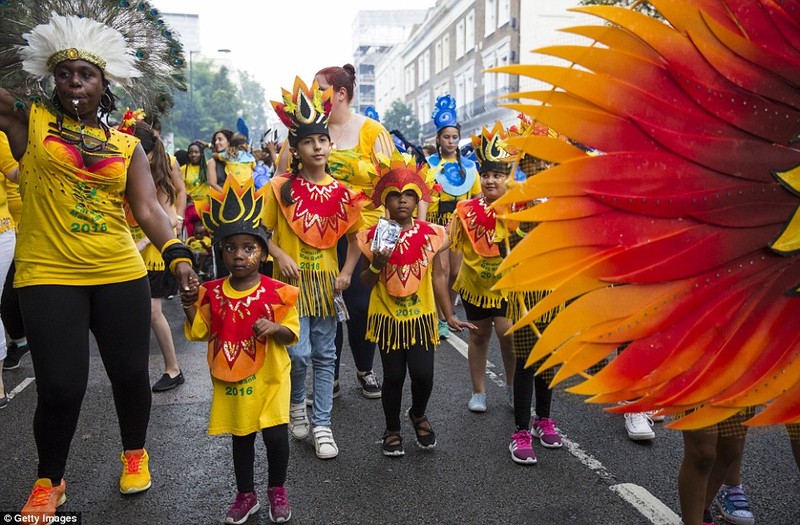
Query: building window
point(410, 79)
point(469, 32)
point(426, 66)
point(469, 87)
point(445, 51)
point(421, 68)
point(460, 39)
point(442, 89)
point(437, 57)
point(490, 18)
point(489, 78)
point(502, 60)
point(503, 12)
point(459, 92)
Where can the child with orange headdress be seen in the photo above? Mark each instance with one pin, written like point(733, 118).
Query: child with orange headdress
point(407, 283)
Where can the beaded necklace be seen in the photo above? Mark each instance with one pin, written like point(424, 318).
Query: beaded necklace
point(81, 141)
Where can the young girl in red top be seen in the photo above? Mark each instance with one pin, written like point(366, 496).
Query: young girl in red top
point(308, 212)
point(247, 319)
point(402, 316)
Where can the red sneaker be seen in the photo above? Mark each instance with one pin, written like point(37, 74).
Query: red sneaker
point(45, 499)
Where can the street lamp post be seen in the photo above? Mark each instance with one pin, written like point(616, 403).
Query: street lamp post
point(191, 97)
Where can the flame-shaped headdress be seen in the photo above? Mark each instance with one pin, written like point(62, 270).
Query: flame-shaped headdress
point(399, 173)
point(304, 111)
point(129, 120)
point(490, 149)
point(444, 112)
point(235, 209)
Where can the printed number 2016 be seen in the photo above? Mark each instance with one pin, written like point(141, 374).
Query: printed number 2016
point(241, 391)
point(88, 228)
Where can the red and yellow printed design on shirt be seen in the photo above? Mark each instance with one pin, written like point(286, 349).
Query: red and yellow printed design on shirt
point(234, 352)
point(479, 224)
point(410, 259)
point(321, 213)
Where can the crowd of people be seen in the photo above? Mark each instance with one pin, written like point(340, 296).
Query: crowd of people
point(287, 247)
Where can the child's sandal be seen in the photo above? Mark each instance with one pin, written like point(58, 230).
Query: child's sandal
point(426, 437)
point(392, 443)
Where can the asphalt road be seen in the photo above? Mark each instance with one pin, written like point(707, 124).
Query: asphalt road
point(599, 477)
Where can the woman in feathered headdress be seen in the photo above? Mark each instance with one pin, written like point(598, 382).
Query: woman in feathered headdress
point(77, 265)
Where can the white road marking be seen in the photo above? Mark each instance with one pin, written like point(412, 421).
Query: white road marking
point(648, 505)
point(20, 387)
point(638, 497)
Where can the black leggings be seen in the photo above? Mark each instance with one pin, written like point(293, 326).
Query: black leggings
point(57, 321)
point(524, 384)
point(356, 297)
point(419, 361)
point(9, 307)
point(276, 439)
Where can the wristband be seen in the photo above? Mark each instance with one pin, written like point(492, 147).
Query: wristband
point(374, 270)
point(174, 263)
point(187, 306)
point(521, 233)
point(169, 243)
point(175, 251)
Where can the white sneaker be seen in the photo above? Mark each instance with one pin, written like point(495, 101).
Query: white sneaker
point(477, 403)
point(298, 421)
point(639, 426)
point(324, 445)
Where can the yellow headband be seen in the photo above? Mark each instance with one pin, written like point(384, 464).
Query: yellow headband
point(75, 54)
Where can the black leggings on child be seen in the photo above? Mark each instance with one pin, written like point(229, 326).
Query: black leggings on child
point(276, 439)
point(524, 384)
point(418, 360)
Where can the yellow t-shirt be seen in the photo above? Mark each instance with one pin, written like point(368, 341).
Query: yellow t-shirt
point(260, 400)
point(318, 267)
point(7, 164)
point(73, 229)
point(472, 232)
point(195, 188)
point(402, 306)
point(346, 168)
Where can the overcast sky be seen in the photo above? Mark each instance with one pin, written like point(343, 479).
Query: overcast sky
point(276, 41)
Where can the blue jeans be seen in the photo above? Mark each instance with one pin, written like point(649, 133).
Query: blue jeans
point(315, 346)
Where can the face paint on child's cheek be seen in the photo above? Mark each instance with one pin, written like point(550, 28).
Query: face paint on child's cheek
point(253, 258)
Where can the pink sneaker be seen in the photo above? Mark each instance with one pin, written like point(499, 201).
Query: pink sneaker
point(521, 448)
point(279, 509)
point(545, 429)
point(246, 504)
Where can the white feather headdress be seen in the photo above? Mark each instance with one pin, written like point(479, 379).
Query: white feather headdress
point(73, 37)
point(128, 41)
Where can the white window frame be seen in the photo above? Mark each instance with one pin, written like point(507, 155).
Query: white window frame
point(460, 38)
point(490, 17)
point(469, 31)
point(503, 12)
point(446, 51)
point(437, 57)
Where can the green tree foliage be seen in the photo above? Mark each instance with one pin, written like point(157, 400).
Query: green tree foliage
point(639, 5)
point(400, 117)
point(214, 101)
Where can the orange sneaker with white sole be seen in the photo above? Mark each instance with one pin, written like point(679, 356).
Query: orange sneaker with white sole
point(135, 472)
point(45, 499)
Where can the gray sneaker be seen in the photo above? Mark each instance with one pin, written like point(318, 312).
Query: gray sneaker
point(370, 386)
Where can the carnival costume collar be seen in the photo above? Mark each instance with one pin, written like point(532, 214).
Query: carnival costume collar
point(449, 176)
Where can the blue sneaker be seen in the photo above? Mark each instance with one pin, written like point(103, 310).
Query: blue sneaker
point(732, 504)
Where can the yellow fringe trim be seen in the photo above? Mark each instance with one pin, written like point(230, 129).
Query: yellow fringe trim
point(392, 334)
point(316, 294)
point(479, 300)
point(520, 302)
